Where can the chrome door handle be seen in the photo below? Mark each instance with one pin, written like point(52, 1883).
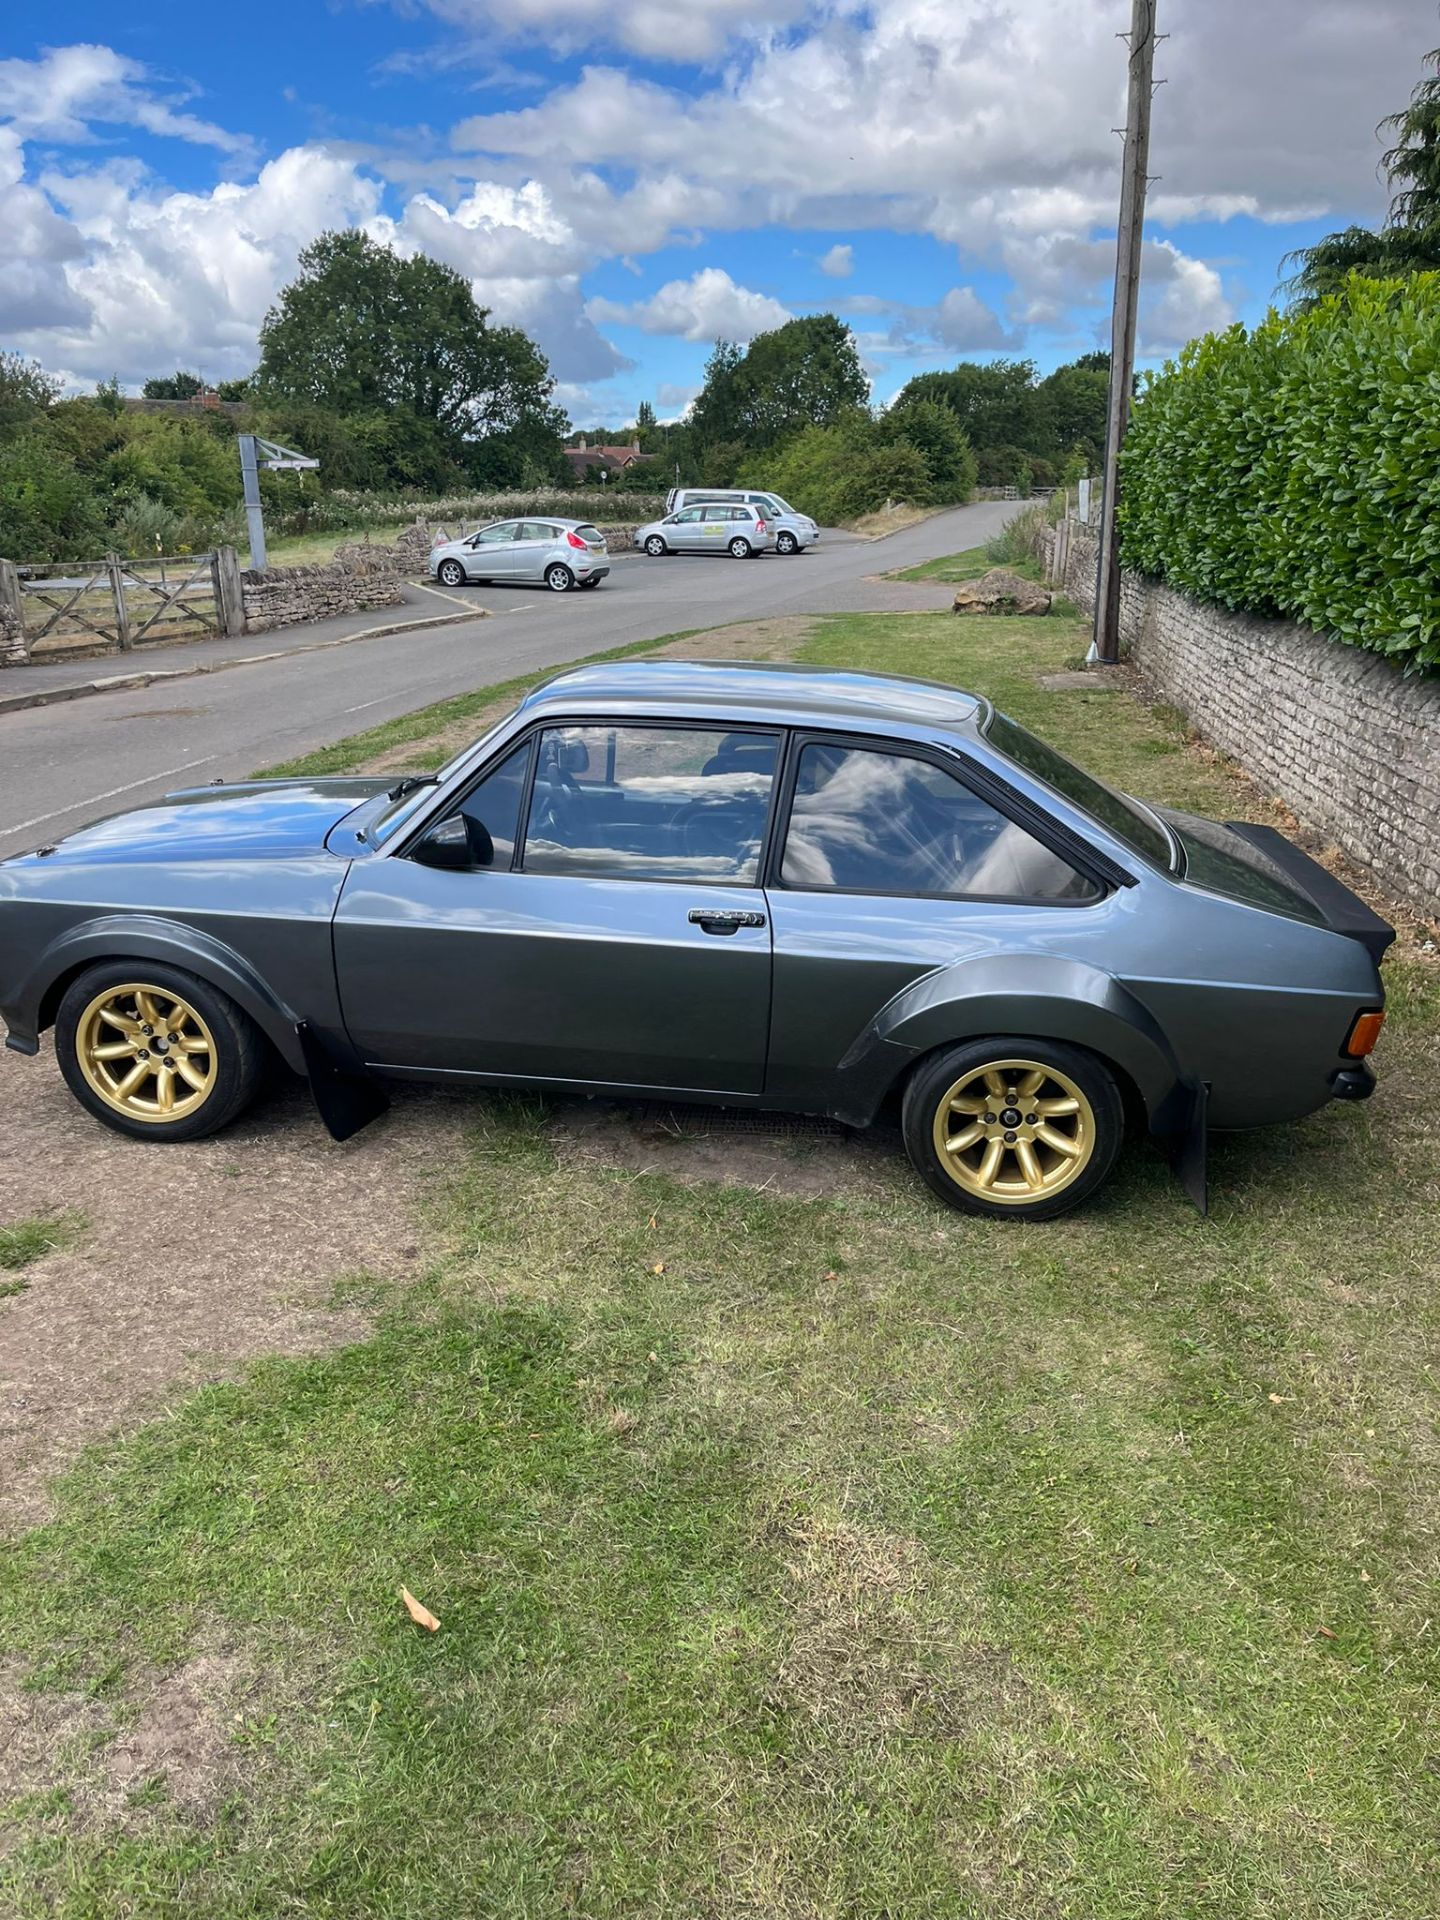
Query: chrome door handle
point(724, 919)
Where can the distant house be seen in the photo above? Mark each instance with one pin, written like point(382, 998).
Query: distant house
point(608, 460)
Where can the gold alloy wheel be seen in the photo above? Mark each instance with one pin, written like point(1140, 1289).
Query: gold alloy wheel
point(1014, 1131)
point(146, 1052)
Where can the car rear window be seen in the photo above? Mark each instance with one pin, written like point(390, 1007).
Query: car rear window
point(591, 535)
point(1117, 812)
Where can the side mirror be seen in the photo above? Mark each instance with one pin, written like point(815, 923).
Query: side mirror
point(456, 844)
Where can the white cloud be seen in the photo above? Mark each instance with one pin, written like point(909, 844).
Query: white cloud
point(987, 126)
point(60, 95)
point(657, 29)
point(707, 306)
point(839, 262)
point(960, 322)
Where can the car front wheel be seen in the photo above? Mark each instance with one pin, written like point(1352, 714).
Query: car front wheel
point(655, 546)
point(741, 547)
point(786, 543)
point(1021, 1129)
point(155, 1052)
point(559, 579)
point(452, 573)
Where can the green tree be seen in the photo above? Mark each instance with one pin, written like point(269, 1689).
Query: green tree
point(994, 401)
point(806, 373)
point(109, 396)
point(715, 417)
point(174, 386)
point(362, 330)
point(1409, 240)
point(1072, 403)
point(932, 428)
point(26, 391)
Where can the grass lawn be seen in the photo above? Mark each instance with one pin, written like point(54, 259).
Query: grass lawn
point(966, 566)
point(317, 549)
point(833, 1558)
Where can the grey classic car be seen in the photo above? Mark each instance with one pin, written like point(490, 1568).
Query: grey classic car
point(752, 885)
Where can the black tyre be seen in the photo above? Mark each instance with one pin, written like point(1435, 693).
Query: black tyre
point(588, 584)
point(452, 573)
point(786, 543)
point(1020, 1129)
point(559, 578)
point(156, 1053)
point(740, 547)
point(656, 547)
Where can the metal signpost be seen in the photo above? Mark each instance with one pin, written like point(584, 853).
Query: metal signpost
point(255, 453)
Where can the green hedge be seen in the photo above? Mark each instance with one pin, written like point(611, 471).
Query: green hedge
point(1296, 469)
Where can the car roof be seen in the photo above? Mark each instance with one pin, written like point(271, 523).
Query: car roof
point(768, 690)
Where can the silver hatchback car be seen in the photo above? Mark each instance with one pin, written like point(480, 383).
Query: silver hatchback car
point(721, 527)
point(558, 554)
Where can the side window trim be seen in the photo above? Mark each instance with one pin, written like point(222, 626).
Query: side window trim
point(1013, 806)
point(783, 753)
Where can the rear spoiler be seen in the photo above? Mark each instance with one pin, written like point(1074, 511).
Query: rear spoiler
point(1342, 911)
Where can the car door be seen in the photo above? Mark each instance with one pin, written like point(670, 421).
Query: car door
point(534, 543)
point(682, 530)
point(620, 938)
point(717, 527)
point(890, 866)
point(490, 553)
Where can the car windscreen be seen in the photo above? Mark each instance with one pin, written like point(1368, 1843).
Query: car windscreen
point(1117, 812)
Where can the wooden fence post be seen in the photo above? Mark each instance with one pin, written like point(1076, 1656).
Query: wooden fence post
point(229, 595)
point(14, 651)
point(117, 592)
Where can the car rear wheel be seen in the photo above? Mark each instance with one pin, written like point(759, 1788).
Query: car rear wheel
point(1021, 1129)
point(785, 543)
point(452, 573)
point(741, 547)
point(156, 1053)
point(559, 579)
point(655, 546)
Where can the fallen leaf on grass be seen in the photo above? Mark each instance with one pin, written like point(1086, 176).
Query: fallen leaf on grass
point(1326, 1633)
point(659, 1267)
point(421, 1615)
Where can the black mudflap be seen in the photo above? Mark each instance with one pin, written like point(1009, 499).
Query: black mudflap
point(1179, 1133)
point(346, 1100)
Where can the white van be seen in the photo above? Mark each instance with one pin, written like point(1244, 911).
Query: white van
point(793, 531)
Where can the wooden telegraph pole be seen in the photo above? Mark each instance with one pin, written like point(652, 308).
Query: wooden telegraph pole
point(1122, 326)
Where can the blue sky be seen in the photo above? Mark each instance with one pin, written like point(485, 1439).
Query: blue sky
point(629, 179)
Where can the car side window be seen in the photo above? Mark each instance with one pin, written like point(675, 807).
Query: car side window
point(495, 536)
point(534, 530)
point(719, 513)
point(494, 804)
point(651, 803)
point(689, 514)
point(864, 820)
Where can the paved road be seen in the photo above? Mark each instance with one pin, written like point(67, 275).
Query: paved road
point(63, 765)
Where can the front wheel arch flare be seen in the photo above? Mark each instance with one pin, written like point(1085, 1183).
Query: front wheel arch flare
point(133, 939)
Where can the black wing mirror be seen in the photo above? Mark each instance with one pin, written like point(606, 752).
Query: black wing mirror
point(457, 843)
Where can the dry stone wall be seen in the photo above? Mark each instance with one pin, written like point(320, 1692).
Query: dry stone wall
point(1340, 735)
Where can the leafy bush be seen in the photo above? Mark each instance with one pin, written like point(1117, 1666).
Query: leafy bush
point(1020, 538)
point(1296, 470)
point(144, 527)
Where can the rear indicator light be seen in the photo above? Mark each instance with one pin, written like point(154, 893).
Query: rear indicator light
point(576, 541)
point(760, 526)
point(1364, 1034)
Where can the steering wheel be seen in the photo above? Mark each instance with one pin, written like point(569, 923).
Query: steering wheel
point(707, 828)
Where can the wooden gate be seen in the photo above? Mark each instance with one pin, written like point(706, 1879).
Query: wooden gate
point(71, 607)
